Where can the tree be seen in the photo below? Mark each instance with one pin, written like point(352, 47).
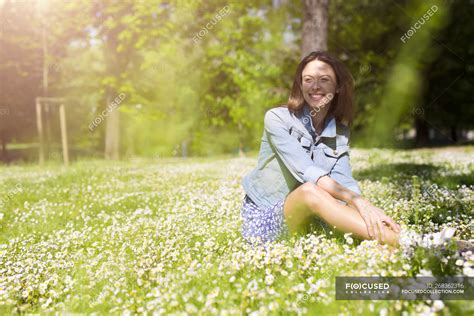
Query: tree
point(19, 71)
point(447, 105)
point(315, 26)
point(118, 40)
point(24, 67)
point(402, 92)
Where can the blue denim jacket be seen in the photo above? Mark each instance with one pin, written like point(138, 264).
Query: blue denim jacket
point(291, 153)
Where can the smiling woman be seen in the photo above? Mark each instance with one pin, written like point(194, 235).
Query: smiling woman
point(321, 75)
point(304, 170)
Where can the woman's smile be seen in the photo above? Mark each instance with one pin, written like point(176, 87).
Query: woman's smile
point(317, 96)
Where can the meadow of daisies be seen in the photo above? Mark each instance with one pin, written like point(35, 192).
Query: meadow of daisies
point(163, 237)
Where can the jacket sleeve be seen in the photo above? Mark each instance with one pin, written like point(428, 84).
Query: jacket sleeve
point(342, 174)
point(290, 151)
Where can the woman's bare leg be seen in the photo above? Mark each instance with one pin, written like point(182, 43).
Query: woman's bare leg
point(309, 200)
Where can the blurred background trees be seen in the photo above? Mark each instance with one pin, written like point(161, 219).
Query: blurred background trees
point(197, 76)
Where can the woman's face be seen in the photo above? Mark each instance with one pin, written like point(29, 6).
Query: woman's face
point(318, 84)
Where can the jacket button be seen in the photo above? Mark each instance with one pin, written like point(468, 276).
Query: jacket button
point(335, 152)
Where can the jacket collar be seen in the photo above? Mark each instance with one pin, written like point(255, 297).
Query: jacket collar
point(329, 129)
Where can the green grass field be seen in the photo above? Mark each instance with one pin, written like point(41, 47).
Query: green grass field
point(163, 237)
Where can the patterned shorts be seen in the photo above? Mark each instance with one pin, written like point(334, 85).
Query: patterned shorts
point(268, 224)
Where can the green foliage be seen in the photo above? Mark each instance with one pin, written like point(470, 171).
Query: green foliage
point(199, 69)
point(405, 82)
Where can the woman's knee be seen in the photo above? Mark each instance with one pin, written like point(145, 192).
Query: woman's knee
point(312, 194)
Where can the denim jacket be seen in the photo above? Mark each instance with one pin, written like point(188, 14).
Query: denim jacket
point(291, 153)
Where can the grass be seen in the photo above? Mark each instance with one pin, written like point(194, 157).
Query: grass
point(163, 236)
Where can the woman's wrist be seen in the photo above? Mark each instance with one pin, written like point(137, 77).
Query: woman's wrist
point(357, 201)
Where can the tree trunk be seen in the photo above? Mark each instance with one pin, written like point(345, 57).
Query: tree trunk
point(315, 26)
point(454, 134)
point(241, 145)
point(48, 139)
point(3, 139)
point(278, 3)
point(112, 131)
point(184, 148)
point(422, 132)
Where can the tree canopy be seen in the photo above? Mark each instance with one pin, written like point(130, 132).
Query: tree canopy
point(198, 75)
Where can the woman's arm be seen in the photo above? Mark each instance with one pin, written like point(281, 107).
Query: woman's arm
point(342, 174)
point(337, 185)
point(338, 191)
point(340, 184)
point(374, 217)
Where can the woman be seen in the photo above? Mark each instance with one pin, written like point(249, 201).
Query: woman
point(304, 170)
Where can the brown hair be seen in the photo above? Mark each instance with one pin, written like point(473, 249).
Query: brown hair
point(343, 102)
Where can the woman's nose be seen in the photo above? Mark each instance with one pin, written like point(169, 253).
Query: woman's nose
point(316, 86)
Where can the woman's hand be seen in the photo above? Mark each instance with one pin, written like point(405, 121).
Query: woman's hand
point(375, 219)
